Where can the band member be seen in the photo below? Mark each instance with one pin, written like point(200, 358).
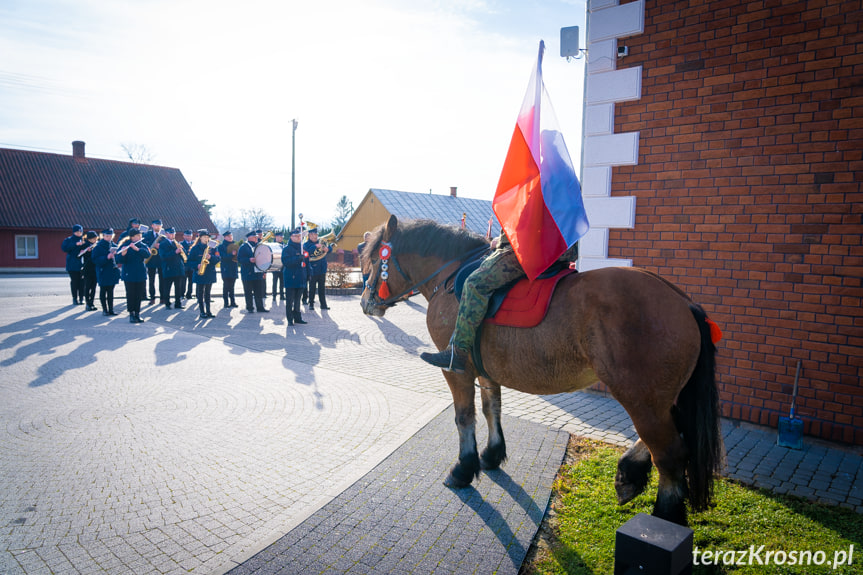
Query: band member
point(294, 268)
point(173, 269)
point(134, 273)
point(134, 224)
point(107, 272)
point(89, 270)
point(154, 264)
point(317, 269)
point(187, 243)
point(278, 284)
point(74, 264)
point(252, 277)
point(229, 270)
point(204, 281)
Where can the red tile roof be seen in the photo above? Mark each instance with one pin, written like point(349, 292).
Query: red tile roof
point(41, 190)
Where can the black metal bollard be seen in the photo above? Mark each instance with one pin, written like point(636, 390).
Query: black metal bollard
point(648, 545)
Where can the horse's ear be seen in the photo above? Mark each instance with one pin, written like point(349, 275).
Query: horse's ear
point(390, 230)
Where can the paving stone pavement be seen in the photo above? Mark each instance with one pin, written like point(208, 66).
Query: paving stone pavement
point(400, 518)
point(179, 445)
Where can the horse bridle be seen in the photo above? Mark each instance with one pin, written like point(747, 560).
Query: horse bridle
point(392, 300)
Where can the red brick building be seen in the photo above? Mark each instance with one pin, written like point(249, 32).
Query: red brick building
point(43, 195)
point(748, 193)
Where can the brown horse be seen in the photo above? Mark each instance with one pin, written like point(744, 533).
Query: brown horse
point(627, 327)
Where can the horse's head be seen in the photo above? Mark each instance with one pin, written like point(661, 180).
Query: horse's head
point(407, 256)
point(383, 284)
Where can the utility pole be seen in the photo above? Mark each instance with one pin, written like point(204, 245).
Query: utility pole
point(293, 170)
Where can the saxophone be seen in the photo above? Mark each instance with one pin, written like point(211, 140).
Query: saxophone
point(182, 251)
point(202, 267)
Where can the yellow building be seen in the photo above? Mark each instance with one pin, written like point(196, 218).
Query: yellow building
point(378, 205)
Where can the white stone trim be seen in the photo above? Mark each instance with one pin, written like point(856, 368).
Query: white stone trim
point(604, 85)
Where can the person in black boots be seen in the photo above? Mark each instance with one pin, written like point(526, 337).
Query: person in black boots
point(173, 259)
point(294, 268)
point(204, 259)
point(154, 263)
point(228, 269)
point(74, 263)
point(278, 284)
point(132, 256)
point(253, 278)
point(107, 272)
point(187, 243)
point(89, 270)
point(317, 251)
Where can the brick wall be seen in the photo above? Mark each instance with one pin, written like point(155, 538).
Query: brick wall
point(749, 195)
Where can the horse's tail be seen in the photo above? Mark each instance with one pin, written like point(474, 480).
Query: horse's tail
point(698, 419)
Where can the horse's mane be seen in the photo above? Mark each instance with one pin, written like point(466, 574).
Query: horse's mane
point(428, 238)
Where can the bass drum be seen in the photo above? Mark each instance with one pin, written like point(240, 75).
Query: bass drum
point(268, 257)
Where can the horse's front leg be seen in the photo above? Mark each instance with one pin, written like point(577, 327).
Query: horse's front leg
point(495, 451)
point(463, 472)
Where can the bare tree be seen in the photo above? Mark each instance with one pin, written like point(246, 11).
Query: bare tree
point(138, 153)
point(256, 219)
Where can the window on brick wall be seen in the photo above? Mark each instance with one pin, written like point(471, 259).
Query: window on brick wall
point(26, 247)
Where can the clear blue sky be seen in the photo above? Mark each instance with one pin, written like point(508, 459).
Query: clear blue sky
point(412, 95)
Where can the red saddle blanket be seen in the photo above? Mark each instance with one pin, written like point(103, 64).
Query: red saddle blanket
point(527, 302)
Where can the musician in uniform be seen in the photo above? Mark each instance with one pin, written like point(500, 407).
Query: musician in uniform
point(173, 259)
point(229, 270)
point(74, 264)
point(252, 277)
point(279, 238)
point(204, 256)
point(134, 273)
point(89, 269)
point(134, 224)
point(187, 243)
point(294, 269)
point(317, 268)
point(154, 264)
point(107, 272)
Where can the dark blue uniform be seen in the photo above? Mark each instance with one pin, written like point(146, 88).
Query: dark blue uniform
point(204, 282)
point(154, 266)
point(134, 276)
point(253, 279)
point(74, 266)
point(107, 275)
point(173, 273)
point(317, 277)
point(187, 284)
point(295, 276)
point(230, 271)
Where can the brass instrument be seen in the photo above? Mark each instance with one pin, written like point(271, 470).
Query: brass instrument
point(328, 242)
point(202, 267)
point(182, 251)
point(233, 248)
point(154, 249)
point(267, 236)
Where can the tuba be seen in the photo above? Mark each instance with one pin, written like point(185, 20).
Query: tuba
point(267, 236)
point(327, 241)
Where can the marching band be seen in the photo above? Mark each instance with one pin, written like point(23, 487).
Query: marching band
point(142, 254)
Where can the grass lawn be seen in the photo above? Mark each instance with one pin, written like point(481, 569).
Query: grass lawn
point(578, 536)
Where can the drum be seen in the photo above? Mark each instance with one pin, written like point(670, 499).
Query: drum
point(268, 257)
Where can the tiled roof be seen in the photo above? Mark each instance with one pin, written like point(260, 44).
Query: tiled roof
point(444, 209)
point(41, 190)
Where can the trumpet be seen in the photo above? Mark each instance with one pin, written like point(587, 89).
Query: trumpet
point(202, 267)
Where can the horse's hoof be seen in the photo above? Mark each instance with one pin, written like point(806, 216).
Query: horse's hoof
point(454, 482)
